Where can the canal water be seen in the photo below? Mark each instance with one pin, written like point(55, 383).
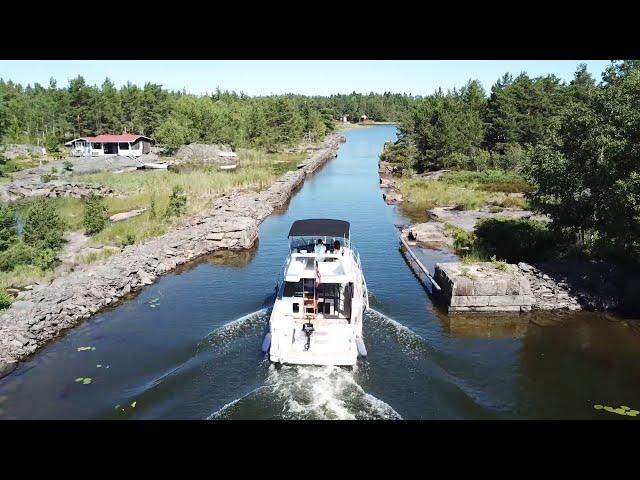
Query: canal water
point(188, 347)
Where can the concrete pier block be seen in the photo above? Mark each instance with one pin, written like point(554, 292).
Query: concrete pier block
point(483, 287)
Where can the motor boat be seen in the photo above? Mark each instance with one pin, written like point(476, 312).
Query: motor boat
point(155, 165)
point(320, 298)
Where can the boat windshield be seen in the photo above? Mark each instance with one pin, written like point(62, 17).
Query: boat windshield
point(309, 244)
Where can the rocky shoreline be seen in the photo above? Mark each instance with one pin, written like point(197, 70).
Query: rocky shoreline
point(555, 285)
point(43, 313)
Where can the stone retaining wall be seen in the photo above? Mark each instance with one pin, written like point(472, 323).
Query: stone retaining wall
point(548, 293)
point(482, 287)
point(43, 313)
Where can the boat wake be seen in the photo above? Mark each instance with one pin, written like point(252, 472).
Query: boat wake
point(310, 393)
point(412, 344)
point(227, 333)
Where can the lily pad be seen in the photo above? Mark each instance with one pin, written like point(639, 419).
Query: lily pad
point(93, 348)
point(82, 349)
point(133, 405)
point(116, 407)
point(86, 381)
point(621, 410)
point(99, 366)
point(79, 379)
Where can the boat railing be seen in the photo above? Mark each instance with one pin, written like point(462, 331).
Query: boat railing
point(365, 291)
point(281, 274)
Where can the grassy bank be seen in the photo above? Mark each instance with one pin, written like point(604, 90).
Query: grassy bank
point(151, 190)
point(465, 190)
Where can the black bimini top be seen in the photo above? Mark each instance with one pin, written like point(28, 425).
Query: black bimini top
point(319, 227)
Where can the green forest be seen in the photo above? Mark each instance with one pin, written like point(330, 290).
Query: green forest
point(52, 115)
point(577, 144)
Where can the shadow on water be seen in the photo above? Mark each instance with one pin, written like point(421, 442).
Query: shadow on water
point(232, 258)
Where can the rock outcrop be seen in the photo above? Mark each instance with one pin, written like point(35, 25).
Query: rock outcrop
point(548, 294)
point(429, 234)
point(207, 153)
point(583, 285)
point(17, 190)
point(43, 313)
point(13, 150)
point(119, 217)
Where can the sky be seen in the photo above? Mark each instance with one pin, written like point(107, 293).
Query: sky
point(309, 77)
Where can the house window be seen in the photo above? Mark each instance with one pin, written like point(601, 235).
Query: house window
point(96, 146)
point(123, 146)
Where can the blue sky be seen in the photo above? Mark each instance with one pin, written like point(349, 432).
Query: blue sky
point(310, 77)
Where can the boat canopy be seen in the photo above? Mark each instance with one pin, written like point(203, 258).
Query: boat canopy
point(323, 227)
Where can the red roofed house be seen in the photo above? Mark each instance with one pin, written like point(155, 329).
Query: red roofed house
point(127, 144)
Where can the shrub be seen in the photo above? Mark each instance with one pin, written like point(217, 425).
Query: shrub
point(52, 144)
point(45, 259)
point(5, 299)
point(510, 157)
point(403, 153)
point(18, 254)
point(95, 214)
point(22, 254)
point(456, 160)
point(129, 239)
point(177, 202)
point(515, 240)
point(68, 166)
point(462, 240)
point(46, 177)
point(464, 272)
point(8, 233)
point(489, 180)
point(43, 227)
point(152, 208)
point(499, 265)
point(514, 202)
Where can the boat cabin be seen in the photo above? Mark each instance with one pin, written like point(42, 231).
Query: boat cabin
point(320, 271)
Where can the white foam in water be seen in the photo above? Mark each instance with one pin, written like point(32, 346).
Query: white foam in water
point(229, 331)
point(395, 323)
point(412, 344)
point(325, 393)
point(220, 412)
point(307, 392)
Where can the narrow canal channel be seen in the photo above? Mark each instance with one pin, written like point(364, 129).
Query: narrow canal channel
point(188, 347)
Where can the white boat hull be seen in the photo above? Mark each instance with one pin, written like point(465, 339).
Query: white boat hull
point(319, 307)
point(156, 166)
point(331, 345)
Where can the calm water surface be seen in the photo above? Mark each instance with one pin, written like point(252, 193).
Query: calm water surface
point(188, 347)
